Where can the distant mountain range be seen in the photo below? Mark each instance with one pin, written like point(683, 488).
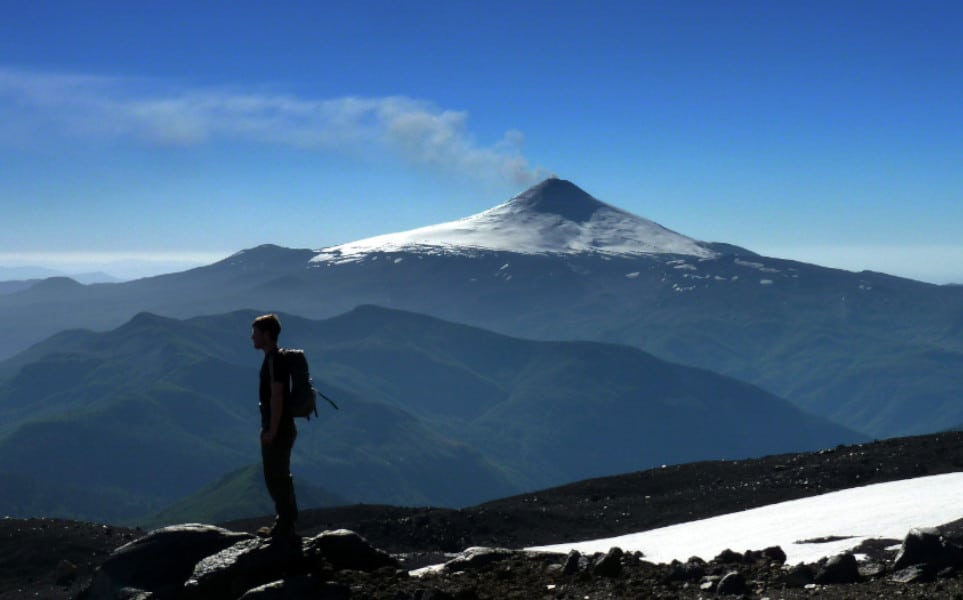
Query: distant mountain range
point(28, 275)
point(432, 413)
point(876, 353)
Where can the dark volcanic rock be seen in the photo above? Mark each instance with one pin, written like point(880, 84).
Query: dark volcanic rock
point(159, 562)
point(572, 563)
point(732, 584)
point(839, 569)
point(913, 574)
point(609, 565)
point(477, 558)
point(345, 549)
point(243, 566)
point(798, 576)
point(728, 556)
point(928, 548)
point(775, 554)
point(256, 562)
point(210, 563)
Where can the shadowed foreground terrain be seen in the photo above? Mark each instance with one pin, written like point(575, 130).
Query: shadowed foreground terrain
point(45, 558)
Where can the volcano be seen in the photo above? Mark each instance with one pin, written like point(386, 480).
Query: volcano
point(554, 217)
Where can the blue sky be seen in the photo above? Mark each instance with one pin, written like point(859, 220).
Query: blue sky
point(175, 133)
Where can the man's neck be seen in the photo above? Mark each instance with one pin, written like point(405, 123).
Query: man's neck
point(270, 348)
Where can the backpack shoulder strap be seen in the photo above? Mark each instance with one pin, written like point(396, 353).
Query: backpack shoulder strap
point(278, 352)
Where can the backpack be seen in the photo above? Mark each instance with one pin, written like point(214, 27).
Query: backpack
point(301, 401)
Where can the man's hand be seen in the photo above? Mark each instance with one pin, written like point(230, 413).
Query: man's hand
point(267, 436)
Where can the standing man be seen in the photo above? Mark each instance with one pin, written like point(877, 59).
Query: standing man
point(277, 427)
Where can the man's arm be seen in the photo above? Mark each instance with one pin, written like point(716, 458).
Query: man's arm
point(277, 405)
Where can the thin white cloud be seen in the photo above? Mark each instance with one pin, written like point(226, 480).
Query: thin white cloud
point(417, 131)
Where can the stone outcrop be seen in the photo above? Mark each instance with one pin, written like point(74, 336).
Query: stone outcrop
point(925, 555)
point(609, 565)
point(839, 569)
point(929, 551)
point(160, 562)
point(200, 562)
point(204, 562)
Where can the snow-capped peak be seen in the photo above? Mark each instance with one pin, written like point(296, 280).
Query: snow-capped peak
point(553, 217)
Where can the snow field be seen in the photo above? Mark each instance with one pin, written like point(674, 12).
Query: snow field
point(883, 511)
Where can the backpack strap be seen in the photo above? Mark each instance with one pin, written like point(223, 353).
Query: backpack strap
point(275, 354)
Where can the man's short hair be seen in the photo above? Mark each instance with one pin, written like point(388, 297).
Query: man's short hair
point(270, 324)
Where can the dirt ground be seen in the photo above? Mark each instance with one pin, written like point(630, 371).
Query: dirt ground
point(50, 558)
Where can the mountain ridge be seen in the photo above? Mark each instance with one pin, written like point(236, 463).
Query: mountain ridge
point(825, 339)
point(432, 412)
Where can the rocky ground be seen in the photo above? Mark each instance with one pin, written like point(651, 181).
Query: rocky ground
point(48, 558)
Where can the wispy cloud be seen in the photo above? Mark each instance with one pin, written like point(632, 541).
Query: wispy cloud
point(417, 131)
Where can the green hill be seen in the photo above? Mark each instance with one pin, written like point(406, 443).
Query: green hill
point(237, 495)
point(433, 413)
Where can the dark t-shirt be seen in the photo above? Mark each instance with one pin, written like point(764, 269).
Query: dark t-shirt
point(281, 375)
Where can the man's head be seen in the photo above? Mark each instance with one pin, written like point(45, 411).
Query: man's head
point(265, 331)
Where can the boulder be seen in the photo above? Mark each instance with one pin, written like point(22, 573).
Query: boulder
point(160, 562)
point(572, 563)
point(692, 570)
point(927, 547)
point(839, 569)
point(609, 565)
point(728, 556)
point(732, 584)
point(798, 576)
point(252, 563)
point(233, 571)
point(345, 549)
point(477, 557)
point(775, 554)
point(912, 574)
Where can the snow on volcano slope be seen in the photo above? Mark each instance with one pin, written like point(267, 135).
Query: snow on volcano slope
point(882, 511)
point(553, 217)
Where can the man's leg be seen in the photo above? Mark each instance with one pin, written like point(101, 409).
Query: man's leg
point(277, 475)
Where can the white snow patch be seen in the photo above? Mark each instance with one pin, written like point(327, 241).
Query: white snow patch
point(765, 282)
point(398, 260)
point(878, 511)
point(632, 275)
point(756, 265)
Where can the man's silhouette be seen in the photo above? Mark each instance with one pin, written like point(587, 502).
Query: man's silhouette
point(277, 427)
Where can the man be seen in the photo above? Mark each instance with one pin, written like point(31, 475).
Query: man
point(277, 427)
